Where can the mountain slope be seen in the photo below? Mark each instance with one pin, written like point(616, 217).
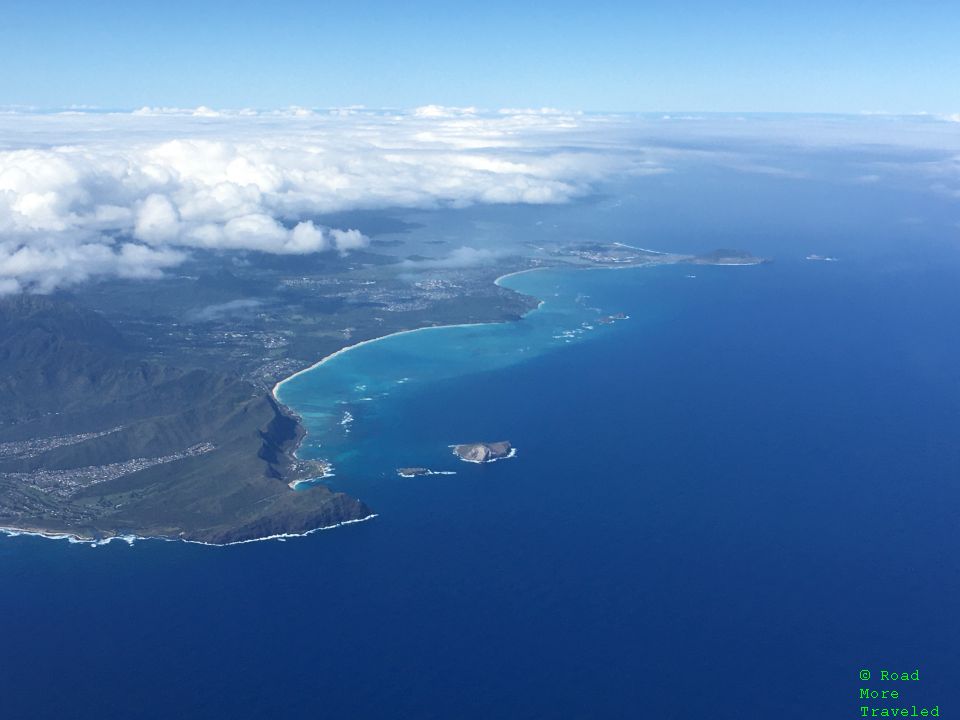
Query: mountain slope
point(96, 441)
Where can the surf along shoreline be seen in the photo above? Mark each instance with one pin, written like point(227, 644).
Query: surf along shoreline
point(327, 358)
point(342, 351)
point(668, 259)
point(130, 539)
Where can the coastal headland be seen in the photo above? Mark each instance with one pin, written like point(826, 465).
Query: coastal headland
point(115, 423)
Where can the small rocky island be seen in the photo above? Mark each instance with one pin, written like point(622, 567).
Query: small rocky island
point(728, 257)
point(409, 472)
point(483, 452)
point(611, 319)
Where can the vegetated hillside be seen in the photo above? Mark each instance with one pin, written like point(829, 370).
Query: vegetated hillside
point(66, 371)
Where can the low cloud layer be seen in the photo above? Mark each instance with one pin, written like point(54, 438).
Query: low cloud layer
point(86, 195)
point(222, 310)
point(462, 257)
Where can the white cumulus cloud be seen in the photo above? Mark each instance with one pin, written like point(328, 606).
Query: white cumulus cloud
point(86, 195)
point(462, 257)
point(157, 220)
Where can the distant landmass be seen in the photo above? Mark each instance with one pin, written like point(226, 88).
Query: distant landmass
point(622, 254)
point(145, 409)
point(728, 257)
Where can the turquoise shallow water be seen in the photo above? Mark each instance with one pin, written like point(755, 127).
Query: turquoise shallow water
point(342, 398)
point(724, 507)
point(713, 513)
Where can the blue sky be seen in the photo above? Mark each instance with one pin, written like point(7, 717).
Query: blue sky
point(813, 56)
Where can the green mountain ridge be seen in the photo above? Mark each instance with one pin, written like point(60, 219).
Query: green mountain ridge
point(66, 370)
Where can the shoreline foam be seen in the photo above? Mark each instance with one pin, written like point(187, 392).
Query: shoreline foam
point(325, 359)
point(131, 539)
point(426, 474)
point(347, 348)
point(74, 539)
point(508, 456)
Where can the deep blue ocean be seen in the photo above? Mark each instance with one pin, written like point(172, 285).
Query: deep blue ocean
point(723, 507)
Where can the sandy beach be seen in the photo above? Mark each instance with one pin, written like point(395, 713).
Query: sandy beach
point(348, 348)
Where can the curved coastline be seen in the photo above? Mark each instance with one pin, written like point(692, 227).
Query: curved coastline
point(326, 358)
point(132, 538)
point(348, 348)
point(74, 538)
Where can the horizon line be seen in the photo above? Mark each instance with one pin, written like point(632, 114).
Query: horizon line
point(436, 110)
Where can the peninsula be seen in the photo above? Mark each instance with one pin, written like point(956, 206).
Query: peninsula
point(132, 408)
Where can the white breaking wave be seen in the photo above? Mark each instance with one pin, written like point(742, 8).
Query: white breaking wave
point(131, 539)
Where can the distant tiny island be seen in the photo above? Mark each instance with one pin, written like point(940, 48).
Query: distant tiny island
point(484, 452)
point(728, 257)
point(598, 254)
point(611, 319)
point(409, 472)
